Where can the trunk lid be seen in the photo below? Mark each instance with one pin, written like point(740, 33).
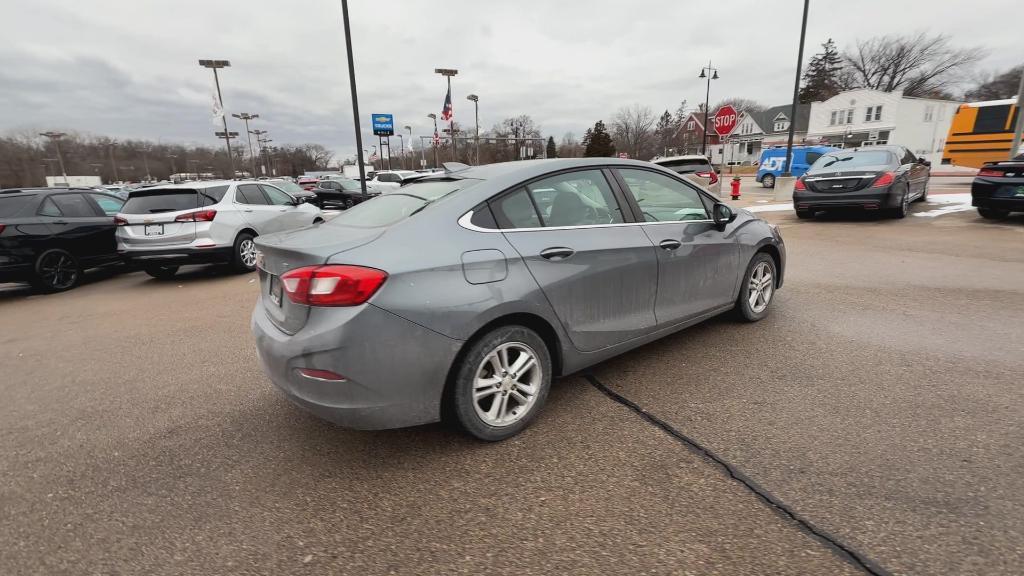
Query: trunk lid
point(839, 182)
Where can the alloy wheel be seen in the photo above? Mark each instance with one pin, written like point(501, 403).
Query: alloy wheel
point(247, 251)
point(761, 287)
point(506, 384)
point(58, 271)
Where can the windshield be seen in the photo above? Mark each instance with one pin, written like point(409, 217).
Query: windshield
point(835, 161)
point(402, 203)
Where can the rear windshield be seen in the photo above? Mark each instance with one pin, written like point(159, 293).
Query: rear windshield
point(156, 200)
point(852, 161)
point(11, 205)
point(390, 208)
point(687, 166)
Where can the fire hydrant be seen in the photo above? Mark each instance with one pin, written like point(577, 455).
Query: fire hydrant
point(735, 188)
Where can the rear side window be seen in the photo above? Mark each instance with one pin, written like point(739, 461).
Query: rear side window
point(212, 195)
point(73, 205)
point(250, 194)
point(812, 157)
point(155, 201)
point(48, 208)
point(11, 205)
point(516, 210)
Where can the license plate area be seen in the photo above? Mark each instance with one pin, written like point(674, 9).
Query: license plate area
point(275, 290)
point(153, 229)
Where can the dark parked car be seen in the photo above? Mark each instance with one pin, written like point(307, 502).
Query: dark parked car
point(343, 192)
point(49, 236)
point(886, 178)
point(998, 189)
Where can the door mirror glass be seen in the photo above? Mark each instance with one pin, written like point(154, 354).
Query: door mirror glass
point(722, 214)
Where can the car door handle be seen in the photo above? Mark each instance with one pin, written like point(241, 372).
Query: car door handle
point(283, 210)
point(60, 221)
point(557, 253)
point(247, 210)
point(670, 244)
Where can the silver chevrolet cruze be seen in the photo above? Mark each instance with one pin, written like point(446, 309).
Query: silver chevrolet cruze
point(462, 295)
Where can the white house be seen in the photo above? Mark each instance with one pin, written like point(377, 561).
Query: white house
point(867, 117)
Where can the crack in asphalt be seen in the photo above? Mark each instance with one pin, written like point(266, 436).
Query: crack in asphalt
point(842, 550)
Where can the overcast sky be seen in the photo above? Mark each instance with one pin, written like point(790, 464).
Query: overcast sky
point(127, 68)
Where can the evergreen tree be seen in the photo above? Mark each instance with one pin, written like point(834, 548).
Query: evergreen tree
point(551, 152)
point(598, 142)
point(663, 133)
point(821, 79)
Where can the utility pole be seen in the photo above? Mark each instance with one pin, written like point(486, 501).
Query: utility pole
point(55, 138)
point(1017, 131)
point(448, 73)
point(355, 97)
point(786, 168)
point(707, 103)
point(476, 112)
point(436, 137)
point(245, 117)
point(215, 65)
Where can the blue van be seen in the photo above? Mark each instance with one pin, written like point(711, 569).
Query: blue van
point(769, 167)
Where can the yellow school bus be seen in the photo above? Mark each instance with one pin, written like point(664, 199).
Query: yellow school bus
point(981, 132)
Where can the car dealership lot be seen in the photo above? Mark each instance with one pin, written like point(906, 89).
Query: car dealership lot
point(879, 402)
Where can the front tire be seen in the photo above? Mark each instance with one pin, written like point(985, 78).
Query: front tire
point(56, 270)
point(757, 289)
point(768, 181)
point(992, 213)
point(244, 258)
point(502, 383)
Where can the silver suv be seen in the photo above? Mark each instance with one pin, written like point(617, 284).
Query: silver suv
point(165, 227)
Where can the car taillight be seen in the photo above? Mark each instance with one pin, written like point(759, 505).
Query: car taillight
point(799, 185)
point(197, 216)
point(332, 285)
point(2, 226)
point(990, 172)
point(119, 221)
point(883, 180)
point(711, 176)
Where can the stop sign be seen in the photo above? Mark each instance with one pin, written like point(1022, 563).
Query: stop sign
point(725, 120)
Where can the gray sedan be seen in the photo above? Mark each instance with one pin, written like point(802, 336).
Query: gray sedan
point(462, 295)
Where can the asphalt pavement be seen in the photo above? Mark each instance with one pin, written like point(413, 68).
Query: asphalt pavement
point(871, 424)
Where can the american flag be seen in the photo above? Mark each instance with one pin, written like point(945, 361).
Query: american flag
point(446, 111)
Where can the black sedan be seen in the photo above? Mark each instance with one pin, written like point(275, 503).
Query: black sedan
point(342, 192)
point(998, 189)
point(884, 178)
point(48, 236)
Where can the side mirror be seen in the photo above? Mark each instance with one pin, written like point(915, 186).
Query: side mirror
point(722, 215)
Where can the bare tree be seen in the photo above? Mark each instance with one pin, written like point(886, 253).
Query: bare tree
point(570, 147)
point(919, 64)
point(989, 86)
point(741, 105)
point(633, 130)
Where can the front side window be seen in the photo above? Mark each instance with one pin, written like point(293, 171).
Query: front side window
point(110, 206)
point(661, 198)
point(250, 194)
point(277, 197)
point(73, 205)
point(575, 199)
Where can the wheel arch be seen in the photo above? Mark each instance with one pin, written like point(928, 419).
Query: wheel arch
point(773, 251)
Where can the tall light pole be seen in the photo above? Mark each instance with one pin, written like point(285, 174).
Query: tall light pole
point(174, 169)
point(401, 144)
point(409, 128)
point(448, 73)
point(216, 65)
point(355, 97)
point(55, 138)
point(145, 162)
point(707, 102)
point(259, 134)
point(195, 166)
point(476, 112)
point(1018, 129)
point(245, 117)
point(436, 136)
point(786, 168)
point(113, 163)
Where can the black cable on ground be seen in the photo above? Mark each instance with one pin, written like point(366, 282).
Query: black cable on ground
point(840, 549)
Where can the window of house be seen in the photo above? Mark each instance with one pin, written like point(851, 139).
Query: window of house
point(849, 116)
point(780, 126)
point(689, 125)
point(832, 118)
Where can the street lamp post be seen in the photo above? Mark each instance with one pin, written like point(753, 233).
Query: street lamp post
point(215, 65)
point(259, 135)
point(434, 141)
point(476, 112)
point(55, 138)
point(245, 117)
point(707, 103)
point(227, 136)
point(448, 73)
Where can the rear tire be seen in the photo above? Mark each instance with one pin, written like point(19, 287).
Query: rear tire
point(901, 211)
point(244, 256)
point(501, 384)
point(768, 181)
point(162, 272)
point(993, 213)
point(56, 270)
point(804, 214)
point(757, 289)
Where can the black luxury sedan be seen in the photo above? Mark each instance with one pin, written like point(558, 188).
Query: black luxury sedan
point(49, 236)
point(998, 189)
point(884, 178)
point(342, 192)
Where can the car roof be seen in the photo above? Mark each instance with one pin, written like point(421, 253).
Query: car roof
point(194, 185)
point(681, 157)
point(38, 189)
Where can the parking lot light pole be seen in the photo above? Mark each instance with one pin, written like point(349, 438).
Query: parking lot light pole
point(174, 169)
point(704, 73)
point(215, 65)
point(55, 138)
point(476, 112)
point(787, 169)
point(448, 73)
point(245, 117)
point(355, 97)
point(434, 140)
point(113, 163)
point(401, 155)
point(1019, 127)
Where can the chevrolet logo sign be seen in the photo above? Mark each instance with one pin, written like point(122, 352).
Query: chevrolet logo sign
point(381, 119)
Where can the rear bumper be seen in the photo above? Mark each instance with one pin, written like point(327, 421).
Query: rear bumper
point(178, 256)
point(997, 195)
point(395, 369)
point(870, 199)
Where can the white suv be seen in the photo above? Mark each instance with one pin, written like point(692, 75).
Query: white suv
point(164, 227)
point(391, 178)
